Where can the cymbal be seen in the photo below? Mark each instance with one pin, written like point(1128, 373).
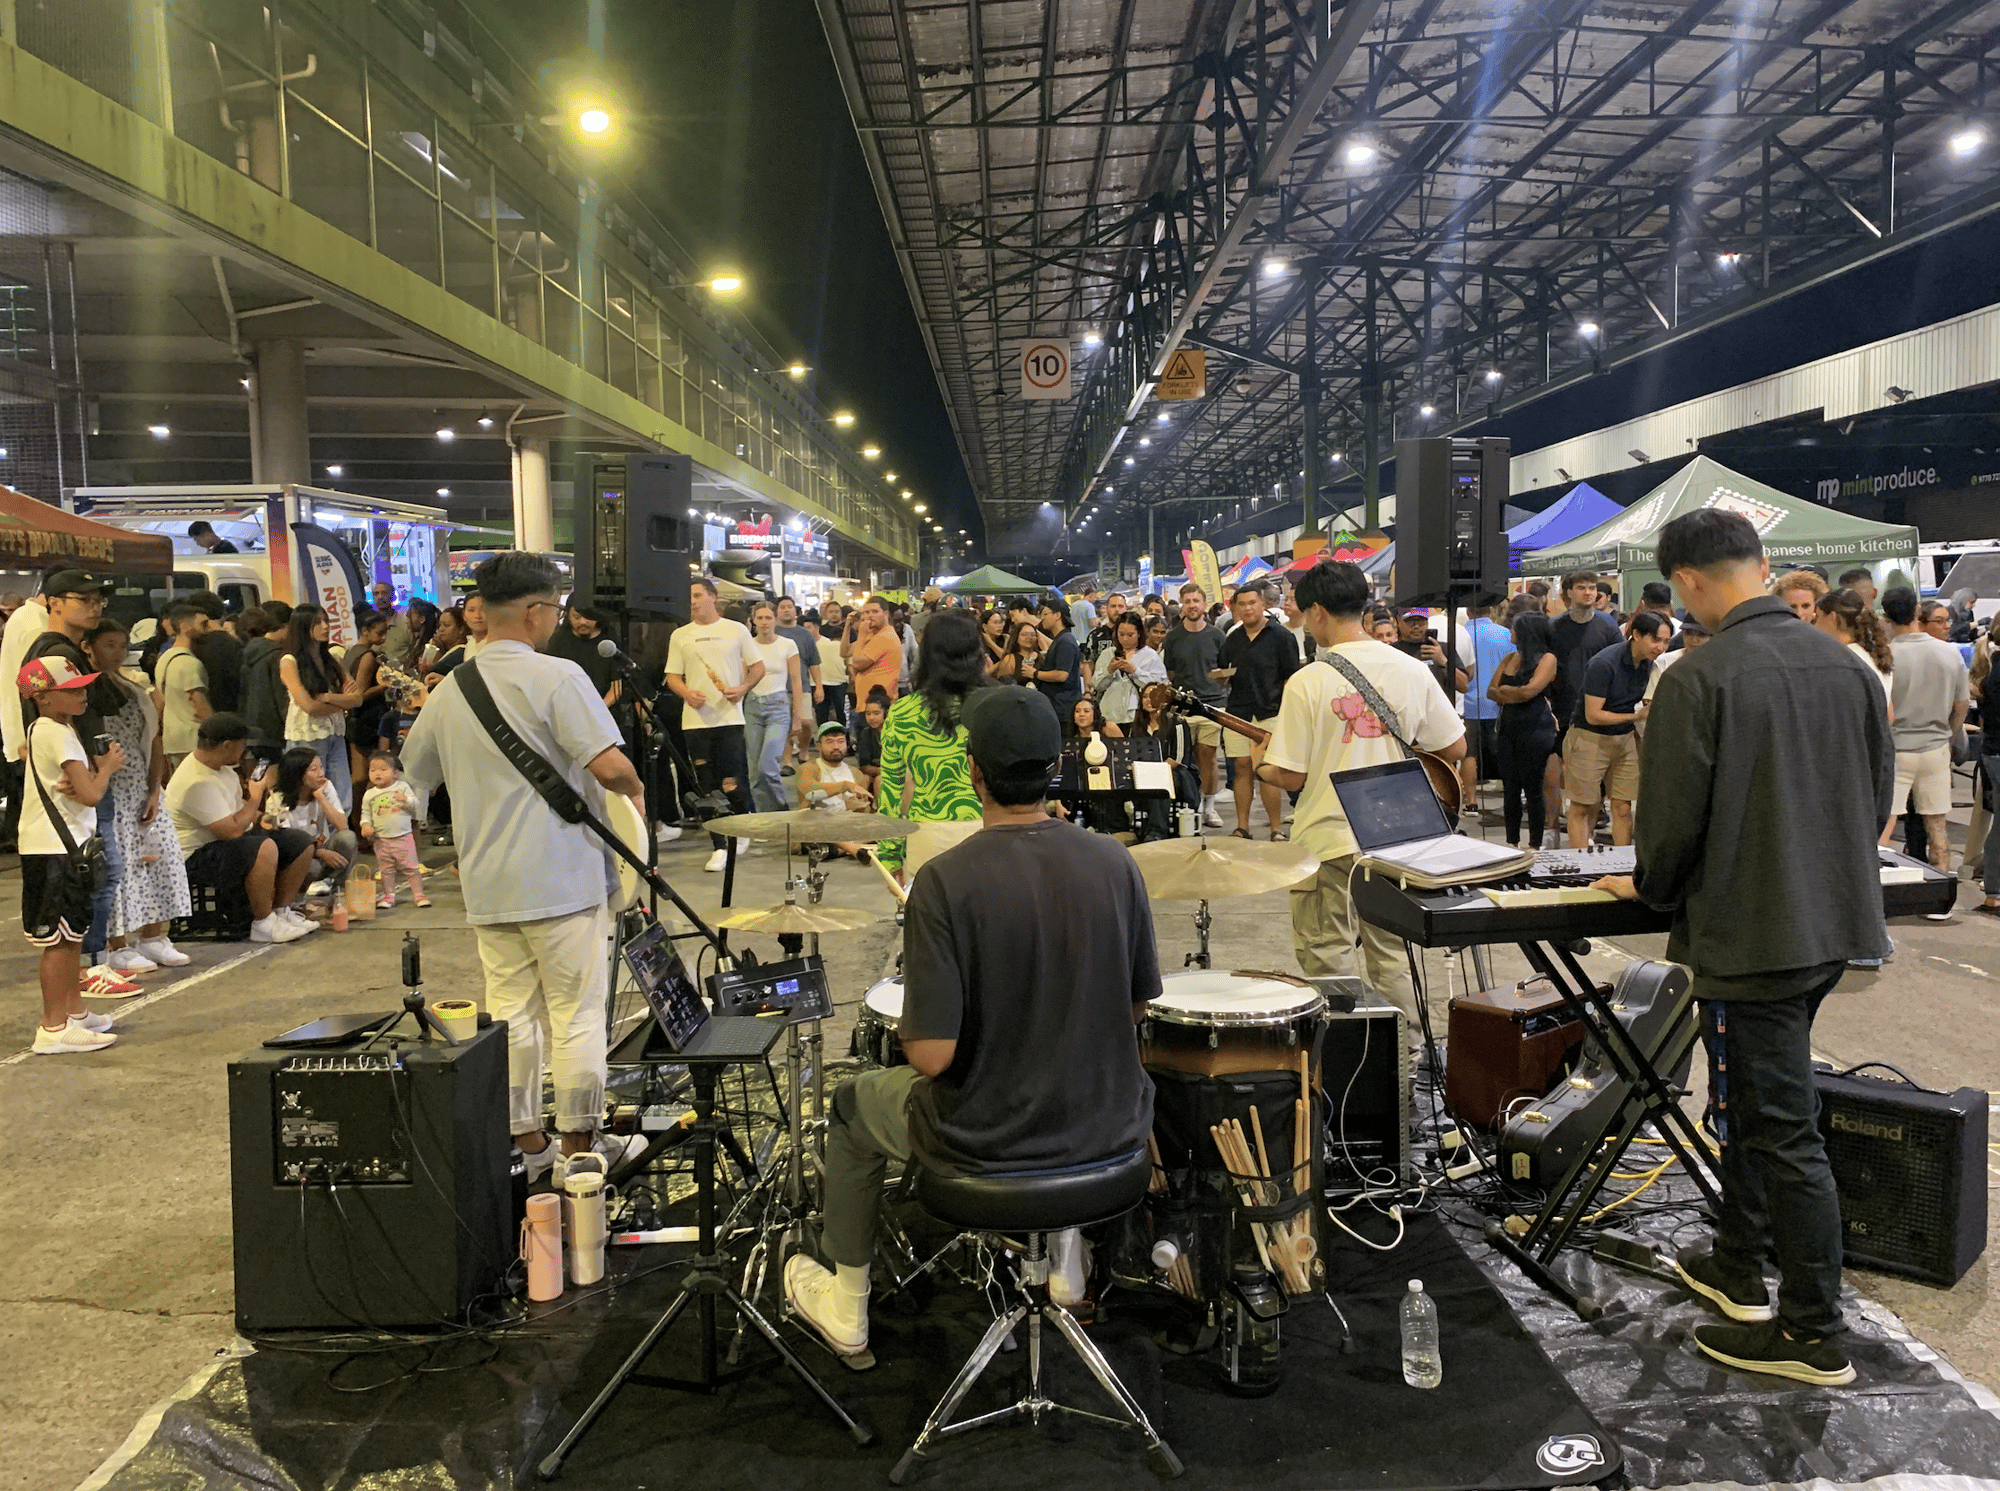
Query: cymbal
point(1201, 869)
point(811, 826)
point(789, 917)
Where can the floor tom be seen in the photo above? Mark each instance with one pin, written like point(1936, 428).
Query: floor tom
point(1212, 1023)
point(875, 1040)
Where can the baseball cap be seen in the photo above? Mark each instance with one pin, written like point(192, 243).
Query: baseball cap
point(829, 728)
point(41, 675)
point(74, 582)
point(1415, 611)
point(221, 728)
point(1006, 727)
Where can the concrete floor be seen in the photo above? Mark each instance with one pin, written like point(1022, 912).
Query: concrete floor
point(115, 1165)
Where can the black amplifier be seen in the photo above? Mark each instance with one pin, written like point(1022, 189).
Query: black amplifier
point(369, 1183)
point(1910, 1165)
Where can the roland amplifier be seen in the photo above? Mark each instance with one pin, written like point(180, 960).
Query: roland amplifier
point(369, 1185)
point(1910, 1166)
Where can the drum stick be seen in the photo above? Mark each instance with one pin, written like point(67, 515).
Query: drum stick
point(1238, 1165)
point(1301, 1160)
point(1159, 1181)
point(902, 896)
point(1263, 1155)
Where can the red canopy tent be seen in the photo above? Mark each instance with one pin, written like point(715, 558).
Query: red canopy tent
point(37, 536)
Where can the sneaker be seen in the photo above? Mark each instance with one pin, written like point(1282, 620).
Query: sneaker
point(423, 902)
point(611, 1150)
point(1938, 916)
point(320, 888)
point(786, 771)
point(742, 847)
point(72, 1037)
point(295, 918)
point(272, 929)
point(95, 1023)
point(666, 833)
point(163, 952)
point(543, 1161)
point(1765, 1347)
point(101, 983)
point(385, 903)
point(837, 1317)
point(1551, 841)
point(716, 862)
point(1211, 816)
point(1739, 1299)
point(130, 960)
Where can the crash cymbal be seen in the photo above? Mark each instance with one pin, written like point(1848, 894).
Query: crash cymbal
point(1201, 869)
point(792, 918)
point(811, 826)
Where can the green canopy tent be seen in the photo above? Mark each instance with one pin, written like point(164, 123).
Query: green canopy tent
point(1795, 531)
point(990, 579)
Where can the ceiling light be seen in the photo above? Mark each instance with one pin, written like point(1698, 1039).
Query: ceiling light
point(1562, 473)
point(1163, 418)
point(593, 121)
point(1492, 375)
point(694, 512)
point(1358, 153)
point(1276, 269)
point(447, 434)
point(444, 491)
point(1586, 329)
point(920, 508)
point(333, 470)
point(1334, 459)
point(1092, 339)
point(1967, 142)
point(1145, 440)
point(485, 421)
point(888, 476)
point(798, 370)
point(1131, 460)
point(843, 419)
point(726, 284)
point(871, 452)
point(3, 452)
point(906, 494)
point(158, 432)
point(1427, 410)
point(1897, 395)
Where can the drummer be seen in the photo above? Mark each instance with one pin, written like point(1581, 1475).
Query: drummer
point(1028, 955)
point(1322, 728)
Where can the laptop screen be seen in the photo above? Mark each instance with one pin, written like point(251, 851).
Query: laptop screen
point(1387, 805)
point(676, 1002)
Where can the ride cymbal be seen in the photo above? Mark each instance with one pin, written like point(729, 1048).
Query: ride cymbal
point(789, 917)
point(1201, 869)
point(811, 826)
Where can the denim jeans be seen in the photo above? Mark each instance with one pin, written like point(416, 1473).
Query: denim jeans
point(767, 721)
point(717, 756)
point(1777, 1187)
point(332, 753)
point(99, 936)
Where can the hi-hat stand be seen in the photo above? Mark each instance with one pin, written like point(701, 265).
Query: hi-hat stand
point(706, 1281)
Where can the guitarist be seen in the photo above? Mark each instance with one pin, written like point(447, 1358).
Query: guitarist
point(1328, 723)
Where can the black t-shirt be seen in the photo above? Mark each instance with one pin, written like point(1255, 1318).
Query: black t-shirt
point(1446, 673)
point(1575, 643)
point(1621, 683)
point(223, 546)
point(1062, 655)
point(1029, 944)
point(1189, 657)
point(1262, 665)
point(222, 659)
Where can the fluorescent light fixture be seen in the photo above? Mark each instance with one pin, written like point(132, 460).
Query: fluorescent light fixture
point(447, 434)
point(843, 419)
point(871, 452)
point(1967, 142)
point(726, 284)
point(158, 432)
point(485, 421)
point(444, 491)
point(334, 470)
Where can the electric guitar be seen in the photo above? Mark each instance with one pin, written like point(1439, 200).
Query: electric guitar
point(1442, 775)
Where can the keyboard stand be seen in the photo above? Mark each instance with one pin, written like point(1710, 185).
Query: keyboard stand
point(706, 1279)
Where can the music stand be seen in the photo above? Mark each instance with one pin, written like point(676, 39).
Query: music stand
point(705, 1280)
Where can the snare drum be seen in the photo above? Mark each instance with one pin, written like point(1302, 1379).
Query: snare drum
point(875, 1040)
point(1213, 1023)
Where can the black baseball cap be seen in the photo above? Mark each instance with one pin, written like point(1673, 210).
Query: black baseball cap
point(75, 582)
point(1008, 727)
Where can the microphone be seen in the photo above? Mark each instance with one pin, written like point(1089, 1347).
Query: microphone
point(606, 648)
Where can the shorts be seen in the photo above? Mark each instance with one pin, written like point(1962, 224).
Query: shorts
point(226, 863)
point(1595, 765)
point(1924, 776)
point(55, 907)
point(1482, 743)
point(1236, 746)
point(1205, 732)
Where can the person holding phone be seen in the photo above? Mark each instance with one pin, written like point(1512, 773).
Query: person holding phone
point(215, 816)
point(1416, 635)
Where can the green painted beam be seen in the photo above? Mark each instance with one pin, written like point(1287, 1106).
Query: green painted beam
point(195, 194)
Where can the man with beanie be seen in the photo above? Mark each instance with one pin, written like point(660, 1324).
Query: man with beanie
point(1028, 954)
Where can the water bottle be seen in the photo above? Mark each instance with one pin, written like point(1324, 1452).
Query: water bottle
point(1422, 1366)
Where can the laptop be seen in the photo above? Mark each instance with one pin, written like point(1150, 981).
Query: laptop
point(1398, 821)
point(681, 1013)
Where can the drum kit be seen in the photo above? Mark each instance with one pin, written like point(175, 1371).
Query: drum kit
point(1204, 870)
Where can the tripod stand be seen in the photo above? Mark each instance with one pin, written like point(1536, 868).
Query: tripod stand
point(705, 1281)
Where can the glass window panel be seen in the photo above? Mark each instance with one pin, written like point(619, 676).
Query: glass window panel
point(468, 262)
point(465, 180)
point(406, 225)
point(559, 254)
point(561, 313)
point(622, 361)
point(204, 116)
point(403, 134)
point(646, 325)
point(593, 345)
point(650, 391)
point(592, 268)
point(618, 303)
point(94, 41)
point(325, 73)
point(329, 171)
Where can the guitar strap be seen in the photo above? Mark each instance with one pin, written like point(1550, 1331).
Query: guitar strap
point(1389, 718)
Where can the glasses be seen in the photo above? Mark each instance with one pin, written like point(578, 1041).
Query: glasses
point(83, 600)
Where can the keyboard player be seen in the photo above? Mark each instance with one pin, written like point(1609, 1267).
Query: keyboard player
point(1767, 772)
point(1327, 723)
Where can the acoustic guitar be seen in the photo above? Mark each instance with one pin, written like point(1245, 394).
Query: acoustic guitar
point(1442, 776)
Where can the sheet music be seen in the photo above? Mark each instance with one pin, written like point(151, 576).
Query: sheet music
point(1442, 855)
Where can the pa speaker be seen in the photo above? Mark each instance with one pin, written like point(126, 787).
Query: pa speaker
point(636, 546)
point(1450, 495)
point(1910, 1166)
point(369, 1188)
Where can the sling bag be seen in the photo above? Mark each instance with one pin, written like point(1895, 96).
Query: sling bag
point(86, 863)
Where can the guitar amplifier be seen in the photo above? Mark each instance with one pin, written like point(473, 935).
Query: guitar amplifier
point(1507, 1044)
point(1910, 1166)
point(369, 1182)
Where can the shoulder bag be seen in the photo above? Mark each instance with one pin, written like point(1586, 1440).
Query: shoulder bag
point(1443, 779)
point(86, 865)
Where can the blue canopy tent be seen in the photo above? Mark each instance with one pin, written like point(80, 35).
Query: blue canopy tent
point(1578, 510)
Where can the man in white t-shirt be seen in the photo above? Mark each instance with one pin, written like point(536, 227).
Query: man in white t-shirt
point(1324, 726)
point(215, 816)
point(712, 663)
point(29, 621)
point(183, 682)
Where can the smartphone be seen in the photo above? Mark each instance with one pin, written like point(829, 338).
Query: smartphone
point(1430, 636)
point(257, 771)
point(100, 745)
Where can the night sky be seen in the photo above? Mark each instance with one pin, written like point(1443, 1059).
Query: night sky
point(752, 162)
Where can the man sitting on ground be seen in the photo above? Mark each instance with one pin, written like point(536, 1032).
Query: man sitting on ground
point(215, 816)
point(829, 783)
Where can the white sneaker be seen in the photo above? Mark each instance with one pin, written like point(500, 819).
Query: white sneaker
point(100, 982)
point(543, 1160)
point(1211, 816)
point(716, 861)
point(272, 928)
point(608, 1150)
point(742, 847)
point(72, 1037)
point(163, 952)
point(666, 833)
point(96, 1024)
point(320, 888)
point(292, 918)
point(838, 1317)
point(131, 960)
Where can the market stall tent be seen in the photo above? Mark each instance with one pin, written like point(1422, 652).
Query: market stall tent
point(990, 579)
point(1577, 511)
point(1795, 531)
point(35, 535)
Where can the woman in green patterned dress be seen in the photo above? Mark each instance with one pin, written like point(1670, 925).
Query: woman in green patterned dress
point(926, 774)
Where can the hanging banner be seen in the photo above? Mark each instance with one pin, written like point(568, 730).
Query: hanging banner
point(1204, 571)
point(332, 582)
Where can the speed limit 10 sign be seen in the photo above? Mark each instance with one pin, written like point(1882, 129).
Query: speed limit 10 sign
point(1045, 369)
